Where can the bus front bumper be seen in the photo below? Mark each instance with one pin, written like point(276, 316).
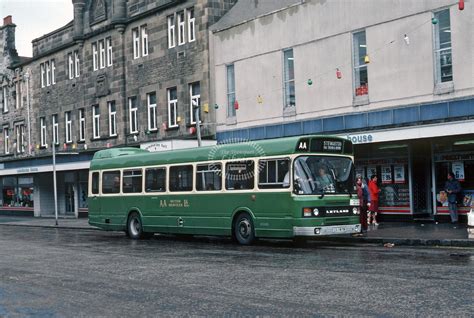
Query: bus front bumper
point(326, 230)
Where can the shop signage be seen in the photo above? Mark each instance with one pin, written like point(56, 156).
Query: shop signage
point(386, 174)
point(360, 139)
point(458, 170)
point(399, 172)
point(371, 171)
point(26, 170)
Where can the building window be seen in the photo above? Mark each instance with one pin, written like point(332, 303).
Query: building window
point(230, 91)
point(151, 101)
point(289, 78)
point(48, 73)
point(112, 119)
point(171, 32)
point(55, 130)
point(6, 140)
point(140, 41)
point(109, 51)
point(43, 131)
point(195, 98)
point(96, 121)
point(73, 64)
point(181, 23)
point(102, 54)
point(361, 79)
point(132, 110)
point(53, 73)
point(5, 98)
point(43, 74)
point(144, 38)
point(443, 57)
point(76, 64)
point(191, 25)
point(68, 126)
point(172, 107)
point(95, 57)
point(82, 124)
point(70, 62)
point(18, 94)
point(20, 138)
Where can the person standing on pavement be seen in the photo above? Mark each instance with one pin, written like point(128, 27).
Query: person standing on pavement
point(374, 191)
point(452, 187)
point(363, 195)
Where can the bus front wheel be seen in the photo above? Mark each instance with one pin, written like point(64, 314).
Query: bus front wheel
point(135, 226)
point(243, 229)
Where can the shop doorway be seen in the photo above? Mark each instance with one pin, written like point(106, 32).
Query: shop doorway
point(69, 197)
point(421, 179)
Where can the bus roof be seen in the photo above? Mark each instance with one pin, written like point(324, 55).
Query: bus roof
point(135, 157)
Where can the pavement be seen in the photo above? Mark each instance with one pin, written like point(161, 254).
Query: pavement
point(388, 233)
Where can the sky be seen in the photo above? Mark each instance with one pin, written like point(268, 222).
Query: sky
point(35, 18)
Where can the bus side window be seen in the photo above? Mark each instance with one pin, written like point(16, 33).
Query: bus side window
point(111, 182)
point(208, 177)
point(181, 178)
point(274, 173)
point(240, 175)
point(95, 183)
point(132, 181)
point(155, 180)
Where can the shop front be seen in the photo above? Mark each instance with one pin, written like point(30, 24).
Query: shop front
point(412, 171)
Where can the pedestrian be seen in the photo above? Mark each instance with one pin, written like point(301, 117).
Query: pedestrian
point(363, 195)
point(453, 188)
point(374, 191)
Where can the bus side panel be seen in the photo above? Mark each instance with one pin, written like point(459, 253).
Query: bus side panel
point(114, 212)
point(160, 214)
point(273, 214)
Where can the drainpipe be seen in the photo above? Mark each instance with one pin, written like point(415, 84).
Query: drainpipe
point(27, 78)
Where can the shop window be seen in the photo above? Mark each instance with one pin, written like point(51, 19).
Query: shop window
point(273, 174)
point(155, 180)
point(208, 177)
point(17, 192)
point(111, 182)
point(181, 178)
point(132, 181)
point(239, 175)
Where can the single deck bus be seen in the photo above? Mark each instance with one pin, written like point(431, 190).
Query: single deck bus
point(282, 188)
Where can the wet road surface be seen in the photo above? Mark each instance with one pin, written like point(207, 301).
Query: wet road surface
point(80, 273)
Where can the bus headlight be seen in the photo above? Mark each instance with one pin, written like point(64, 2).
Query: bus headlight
point(315, 212)
point(355, 210)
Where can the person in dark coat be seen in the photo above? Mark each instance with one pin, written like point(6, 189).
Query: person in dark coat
point(363, 195)
point(452, 188)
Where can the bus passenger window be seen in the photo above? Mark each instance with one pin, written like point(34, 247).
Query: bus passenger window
point(111, 182)
point(155, 180)
point(181, 178)
point(274, 173)
point(132, 181)
point(95, 183)
point(240, 175)
point(208, 177)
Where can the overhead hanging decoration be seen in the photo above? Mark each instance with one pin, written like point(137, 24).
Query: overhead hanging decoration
point(236, 105)
point(310, 82)
point(259, 99)
point(434, 21)
point(366, 59)
point(461, 5)
point(338, 73)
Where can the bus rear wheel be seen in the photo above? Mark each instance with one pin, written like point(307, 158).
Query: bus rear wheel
point(135, 226)
point(244, 231)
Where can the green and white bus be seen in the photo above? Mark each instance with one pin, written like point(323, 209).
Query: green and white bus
point(280, 188)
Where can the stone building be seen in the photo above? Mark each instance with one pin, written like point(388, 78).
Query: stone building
point(395, 77)
point(122, 73)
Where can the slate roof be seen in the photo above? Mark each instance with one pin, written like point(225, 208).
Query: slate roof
point(245, 10)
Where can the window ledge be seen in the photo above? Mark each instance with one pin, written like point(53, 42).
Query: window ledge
point(172, 128)
point(289, 111)
point(231, 120)
point(443, 88)
point(360, 100)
